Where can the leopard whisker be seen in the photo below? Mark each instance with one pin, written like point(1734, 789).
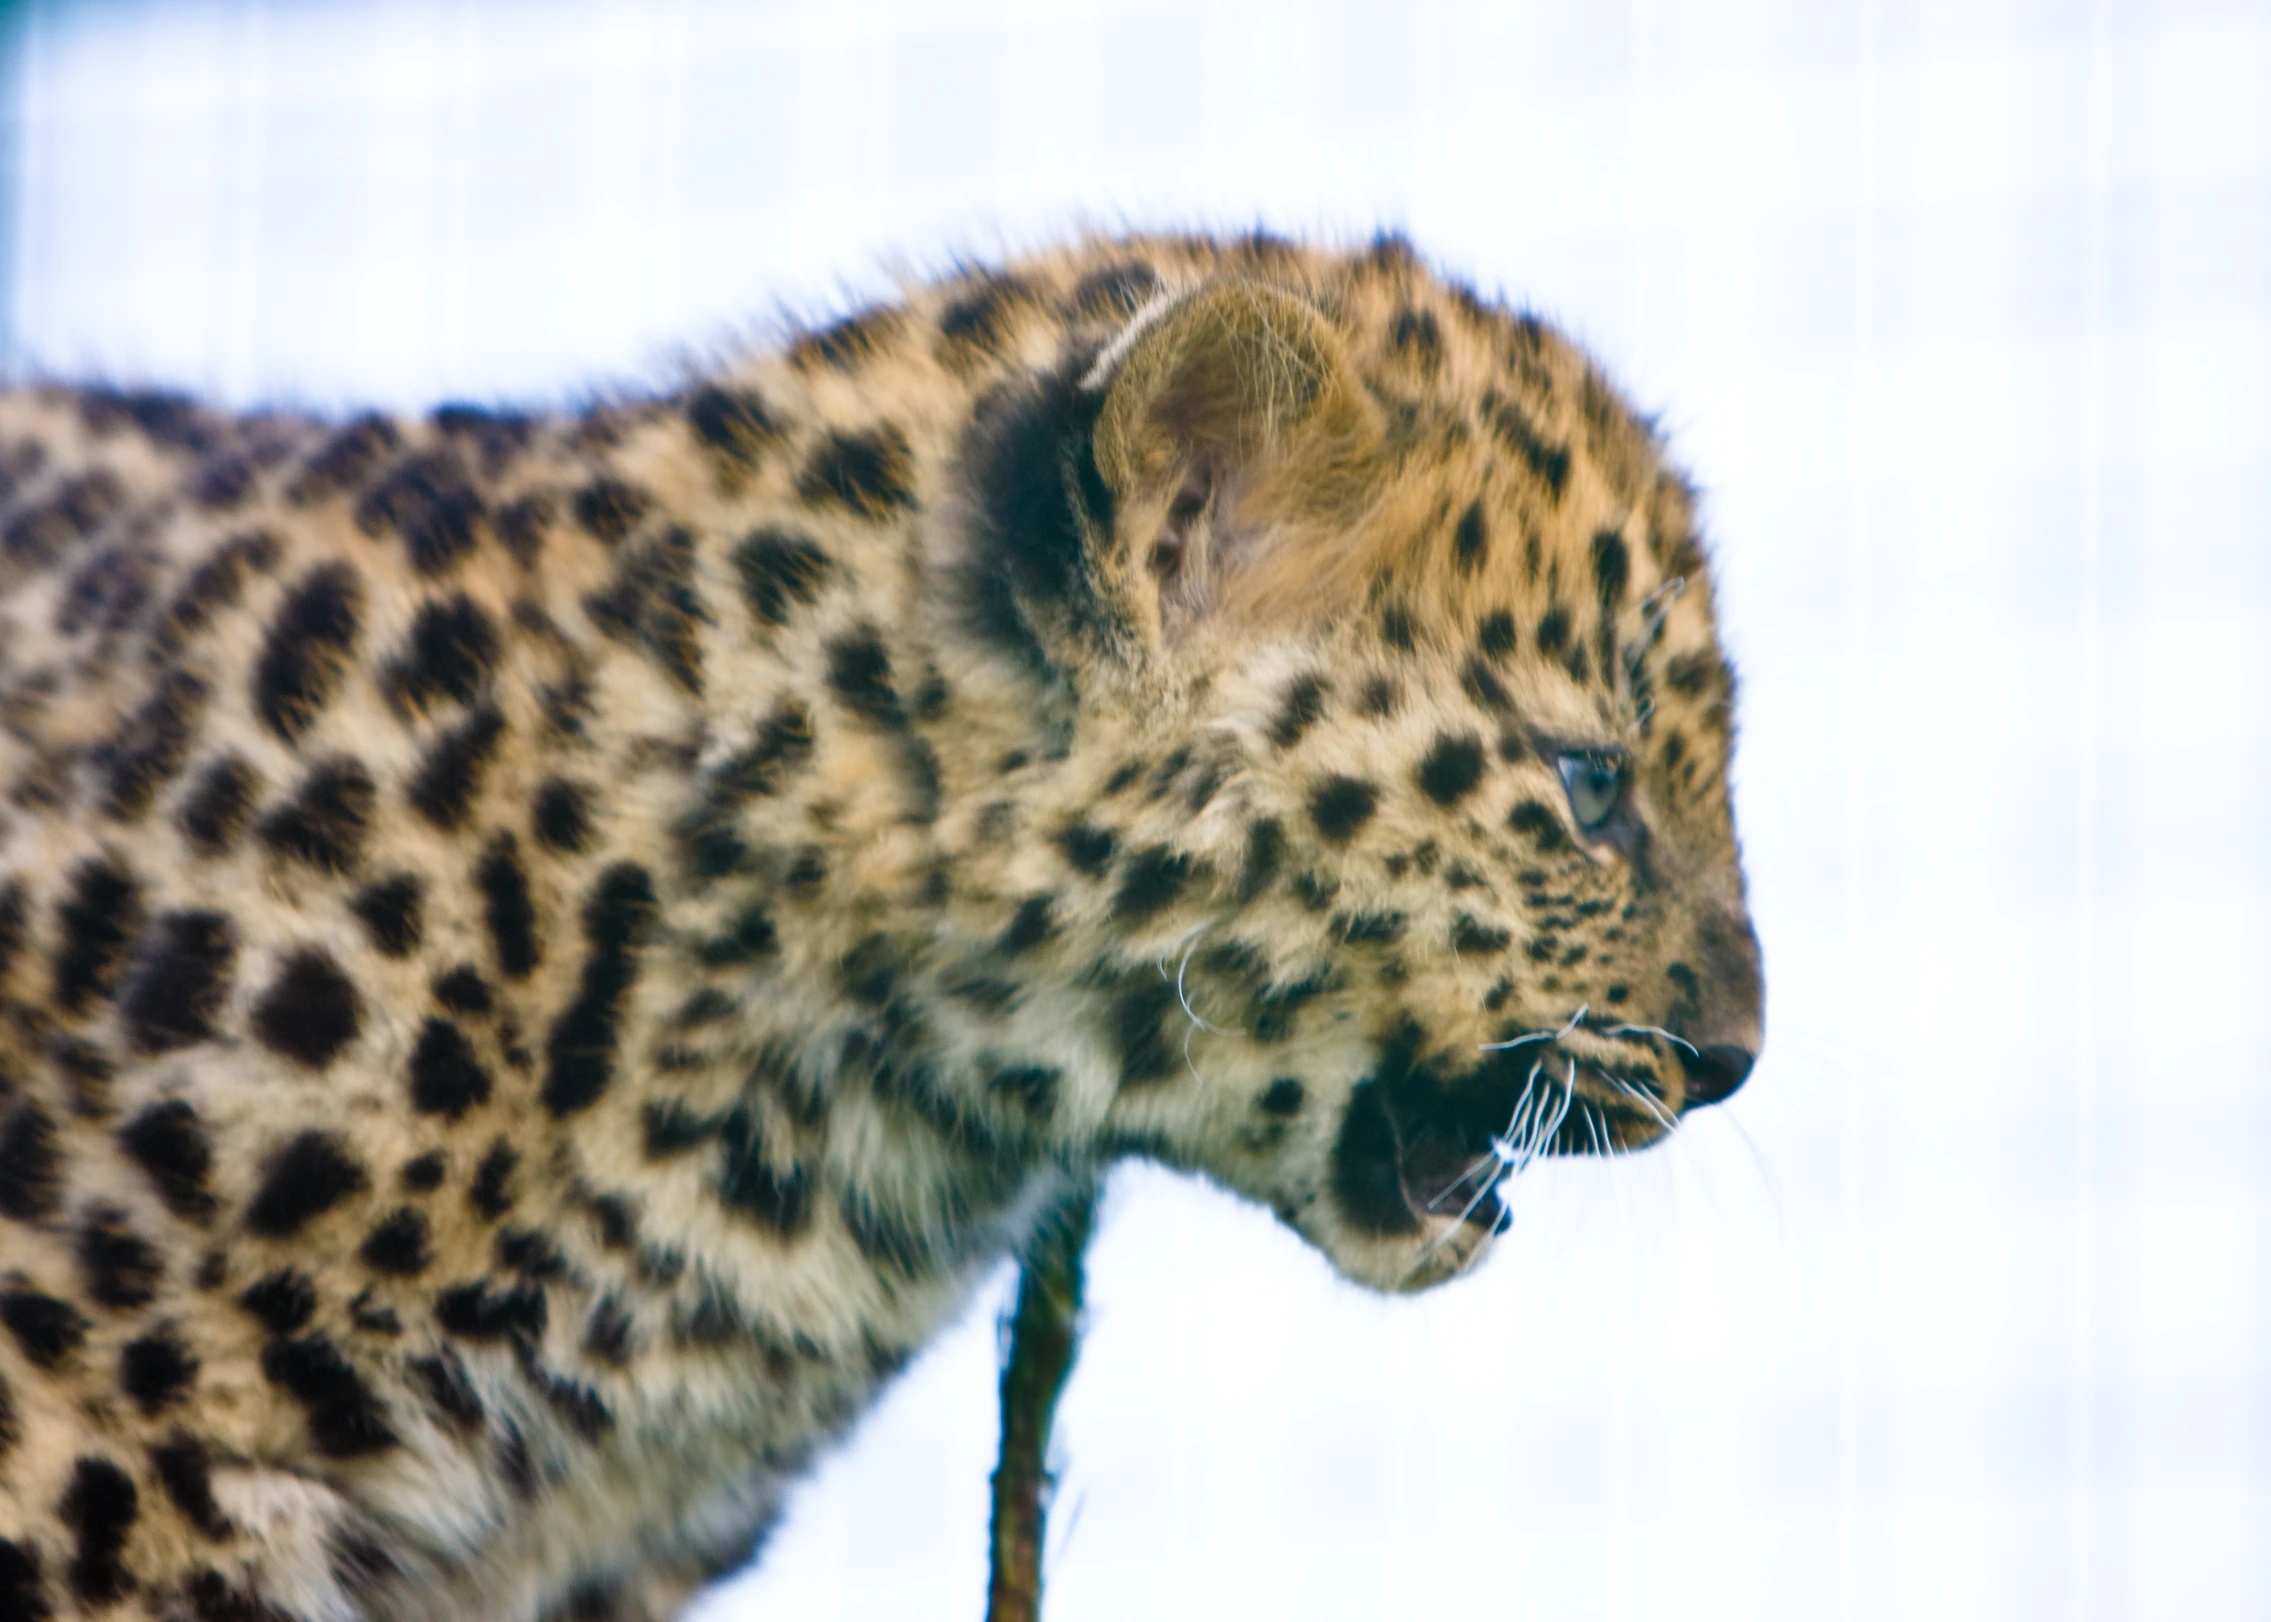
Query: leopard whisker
point(1651, 1030)
point(1575, 1020)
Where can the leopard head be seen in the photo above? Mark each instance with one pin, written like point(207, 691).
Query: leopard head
point(1396, 735)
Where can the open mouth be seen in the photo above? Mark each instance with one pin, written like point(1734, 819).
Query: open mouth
point(1420, 1144)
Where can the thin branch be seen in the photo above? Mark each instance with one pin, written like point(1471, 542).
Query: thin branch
point(1044, 1333)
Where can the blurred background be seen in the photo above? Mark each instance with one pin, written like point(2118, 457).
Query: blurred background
point(1961, 314)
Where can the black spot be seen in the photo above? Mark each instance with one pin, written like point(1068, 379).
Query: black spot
point(1612, 567)
point(120, 1268)
point(98, 919)
point(305, 1178)
point(1495, 635)
point(751, 938)
point(1379, 698)
point(974, 325)
point(80, 506)
point(1550, 462)
point(451, 653)
point(187, 1477)
point(87, 1071)
point(1139, 1030)
point(585, 1411)
point(449, 775)
point(1301, 707)
point(844, 344)
point(1283, 1098)
point(1369, 928)
point(1031, 466)
point(491, 1191)
point(306, 649)
point(1471, 541)
point(1471, 937)
point(47, 1329)
point(607, 509)
point(1483, 686)
point(507, 908)
point(1553, 631)
point(1396, 628)
point(345, 1418)
point(1265, 852)
point(778, 1199)
point(168, 1142)
point(463, 991)
point(213, 812)
point(392, 911)
point(859, 672)
point(672, 1129)
point(1116, 290)
point(1028, 928)
point(23, 1592)
point(422, 1174)
point(1538, 821)
point(1451, 769)
point(143, 757)
point(475, 1311)
point(426, 500)
point(581, 1048)
point(734, 424)
point(498, 435)
point(530, 1254)
point(1415, 335)
point(781, 744)
point(1033, 1086)
point(871, 474)
point(1089, 849)
point(520, 526)
point(446, 1076)
point(310, 1011)
point(1366, 1179)
point(610, 1332)
point(869, 972)
point(1152, 879)
point(449, 1388)
point(1277, 1007)
point(345, 460)
point(156, 1369)
point(562, 817)
point(650, 605)
point(100, 1507)
point(1341, 805)
point(780, 570)
point(325, 824)
point(282, 1302)
point(31, 1164)
point(360, 1563)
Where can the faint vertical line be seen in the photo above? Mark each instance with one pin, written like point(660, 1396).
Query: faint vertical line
point(1867, 183)
point(240, 367)
point(27, 166)
point(460, 99)
point(669, 292)
point(2088, 612)
point(1623, 1387)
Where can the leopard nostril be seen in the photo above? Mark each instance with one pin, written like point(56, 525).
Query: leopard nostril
point(1716, 1070)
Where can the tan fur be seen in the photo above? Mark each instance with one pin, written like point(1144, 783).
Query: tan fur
point(843, 797)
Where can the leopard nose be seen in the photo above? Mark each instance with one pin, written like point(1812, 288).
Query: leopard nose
point(1715, 1071)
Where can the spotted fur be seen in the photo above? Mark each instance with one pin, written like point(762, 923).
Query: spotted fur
point(542, 957)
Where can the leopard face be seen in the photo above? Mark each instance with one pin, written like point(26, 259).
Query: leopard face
point(1400, 774)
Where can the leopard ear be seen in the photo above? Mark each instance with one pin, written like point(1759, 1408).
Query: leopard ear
point(1228, 415)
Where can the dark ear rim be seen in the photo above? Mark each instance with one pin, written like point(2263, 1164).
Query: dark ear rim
point(1037, 500)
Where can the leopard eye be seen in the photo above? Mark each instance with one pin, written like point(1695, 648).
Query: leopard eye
point(1595, 783)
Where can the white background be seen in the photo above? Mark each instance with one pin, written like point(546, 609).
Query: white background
point(1962, 314)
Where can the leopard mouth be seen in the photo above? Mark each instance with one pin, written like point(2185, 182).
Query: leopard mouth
point(1419, 1146)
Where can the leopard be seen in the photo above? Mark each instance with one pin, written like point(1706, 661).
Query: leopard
point(545, 953)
